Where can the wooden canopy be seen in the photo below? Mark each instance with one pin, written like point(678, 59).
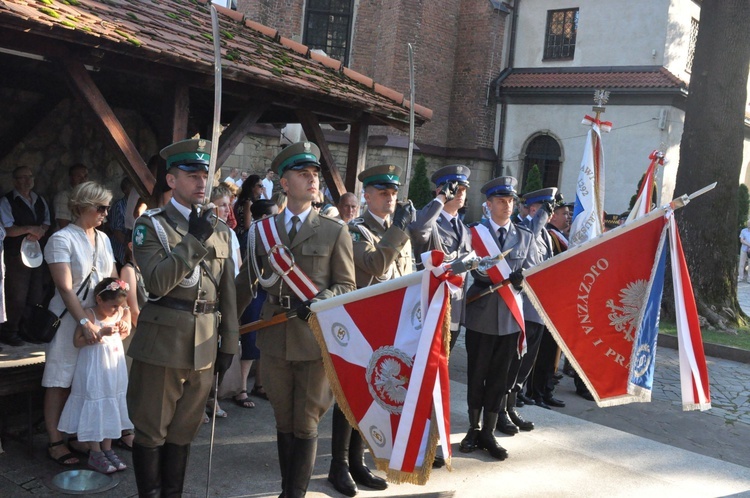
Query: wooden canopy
point(156, 57)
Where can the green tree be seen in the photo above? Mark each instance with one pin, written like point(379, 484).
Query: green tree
point(638, 189)
point(711, 151)
point(533, 180)
point(420, 191)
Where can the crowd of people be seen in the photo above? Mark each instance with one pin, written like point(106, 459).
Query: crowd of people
point(169, 281)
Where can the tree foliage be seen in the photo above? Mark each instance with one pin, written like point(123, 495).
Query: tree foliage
point(420, 191)
point(711, 151)
point(533, 180)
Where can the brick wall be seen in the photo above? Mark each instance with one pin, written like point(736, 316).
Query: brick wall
point(285, 15)
point(478, 60)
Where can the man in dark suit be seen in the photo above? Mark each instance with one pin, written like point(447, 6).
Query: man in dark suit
point(189, 274)
point(293, 372)
point(492, 329)
point(382, 252)
point(438, 227)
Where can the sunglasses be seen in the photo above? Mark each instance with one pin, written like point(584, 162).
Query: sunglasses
point(102, 209)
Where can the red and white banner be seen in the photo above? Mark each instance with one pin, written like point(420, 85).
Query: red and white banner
point(595, 307)
point(385, 353)
point(643, 202)
point(485, 245)
point(282, 261)
point(696, 394)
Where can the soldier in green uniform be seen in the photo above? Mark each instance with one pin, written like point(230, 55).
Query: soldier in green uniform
point(382, 251)
point(189, 274)
point(293, 373)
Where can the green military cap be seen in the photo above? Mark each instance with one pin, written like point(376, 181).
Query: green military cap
point(502, 186)
point(541, 195)
point(453, 173)
point(297, 156)
point(381, 177)
point(188, 155)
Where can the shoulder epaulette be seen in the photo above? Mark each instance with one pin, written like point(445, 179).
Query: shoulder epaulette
point(153, 212)
point(337, 220)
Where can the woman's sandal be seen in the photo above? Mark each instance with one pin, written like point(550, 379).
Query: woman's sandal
point(78, 447)
point(210, 409)
point(243, 402)
point(121, 443)
point(64, 460)
point(259, 392)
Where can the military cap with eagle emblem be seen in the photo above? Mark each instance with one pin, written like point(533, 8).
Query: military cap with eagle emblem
point(541, 195)
point(501, 186)
point(188, 155)
point(297, 156)
point(381, 177)
point(453, 173)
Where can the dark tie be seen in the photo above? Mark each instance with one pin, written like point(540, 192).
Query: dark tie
point(293, 230)
point(454, 223)
point(385, 225)
point(501, 236)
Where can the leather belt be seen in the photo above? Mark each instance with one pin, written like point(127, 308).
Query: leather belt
point(197, 307)
point(286, 302)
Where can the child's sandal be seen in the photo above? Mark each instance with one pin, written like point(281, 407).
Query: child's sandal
point(99, 462)
point(115, 460)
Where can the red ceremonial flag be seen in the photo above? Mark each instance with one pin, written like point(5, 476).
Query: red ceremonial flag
point(595, 307)
point(385, 353)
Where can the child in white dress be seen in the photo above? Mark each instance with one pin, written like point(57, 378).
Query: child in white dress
point(96, 409)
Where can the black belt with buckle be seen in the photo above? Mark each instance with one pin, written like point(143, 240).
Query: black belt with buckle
point(286, 302)
point(197, 307)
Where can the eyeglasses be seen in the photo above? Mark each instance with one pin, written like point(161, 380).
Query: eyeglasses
point(317, 205)
point(102, 209)
point(24, 177)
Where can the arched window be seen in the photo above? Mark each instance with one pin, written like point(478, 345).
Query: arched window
point(544, 151)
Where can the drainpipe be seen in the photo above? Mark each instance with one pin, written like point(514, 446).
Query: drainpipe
point(499, 168)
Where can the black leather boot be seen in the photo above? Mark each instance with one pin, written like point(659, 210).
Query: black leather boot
point(469, 443)
point(516, 417)
point(487, 439)
point(300, 467)
point(357, 467)
point(504, 423)
point(174, 460)
point(147, 468)
point(285, 446)
point(338, 474)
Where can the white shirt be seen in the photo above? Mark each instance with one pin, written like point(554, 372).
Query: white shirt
point(184, 211)
point(378, 219)
point(302, 217)
point(267, 188)
point(496, 227)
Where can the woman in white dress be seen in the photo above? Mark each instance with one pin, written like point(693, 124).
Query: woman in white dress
point(78, 254)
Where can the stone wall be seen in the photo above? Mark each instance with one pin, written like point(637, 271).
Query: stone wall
point(66, 136)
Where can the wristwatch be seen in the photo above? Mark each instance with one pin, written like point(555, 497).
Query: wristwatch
point(84, 321)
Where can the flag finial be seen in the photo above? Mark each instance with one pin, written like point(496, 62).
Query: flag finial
point(601, 96)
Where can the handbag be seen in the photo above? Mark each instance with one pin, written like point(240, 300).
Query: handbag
point(40, 323)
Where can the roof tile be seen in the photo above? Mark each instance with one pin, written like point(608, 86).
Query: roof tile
point(640, 78)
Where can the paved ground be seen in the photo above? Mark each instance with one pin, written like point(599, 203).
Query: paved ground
point(646, 449)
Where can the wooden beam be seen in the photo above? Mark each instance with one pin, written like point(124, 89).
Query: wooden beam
point(180, 112)
point(237, 130)
point(86, 91)
point(357, 155)
point(314, 133)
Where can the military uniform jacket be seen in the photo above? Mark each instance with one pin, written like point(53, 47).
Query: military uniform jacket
point(489, 314)
point(175, 338)
point(322, 248)
point(431, 231)
point(379, 254)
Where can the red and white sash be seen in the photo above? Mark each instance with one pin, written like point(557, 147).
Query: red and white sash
point(280, 260)
point(485, 245)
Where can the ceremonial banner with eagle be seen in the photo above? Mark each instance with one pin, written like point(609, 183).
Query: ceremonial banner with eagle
point(597, 304)
point(385, 353)
point(613, 286)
